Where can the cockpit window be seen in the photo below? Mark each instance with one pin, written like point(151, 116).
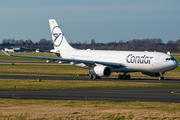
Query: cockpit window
point(171, 58)
point(167, 58)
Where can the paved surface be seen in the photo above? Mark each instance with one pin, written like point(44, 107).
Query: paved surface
point(160, 94)
point(157, 94)
point(25, 77)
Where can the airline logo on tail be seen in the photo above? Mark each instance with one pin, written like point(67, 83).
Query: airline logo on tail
point(57, 36)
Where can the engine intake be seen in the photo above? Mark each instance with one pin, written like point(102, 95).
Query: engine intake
point(100, 71)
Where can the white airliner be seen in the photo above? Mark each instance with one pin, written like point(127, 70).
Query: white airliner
point(103, 63)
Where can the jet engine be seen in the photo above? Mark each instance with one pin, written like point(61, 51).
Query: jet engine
point(100, 71)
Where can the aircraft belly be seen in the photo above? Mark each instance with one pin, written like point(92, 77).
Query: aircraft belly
point(123, 69)
point(135, 68)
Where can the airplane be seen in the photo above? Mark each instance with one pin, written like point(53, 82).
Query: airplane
point(103, 62)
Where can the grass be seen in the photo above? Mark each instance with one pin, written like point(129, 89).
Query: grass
point(43, 69)
point(38, 74)
point(6, 84)
point(5, 58)
point(176, 56)
point(68, 109)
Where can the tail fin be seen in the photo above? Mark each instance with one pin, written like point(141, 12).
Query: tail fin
point(58, 38)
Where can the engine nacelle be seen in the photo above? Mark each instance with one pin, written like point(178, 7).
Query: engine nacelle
point(100, 71)
point(151, 74)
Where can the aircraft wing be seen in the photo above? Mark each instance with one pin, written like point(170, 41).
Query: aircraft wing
point(111, 64)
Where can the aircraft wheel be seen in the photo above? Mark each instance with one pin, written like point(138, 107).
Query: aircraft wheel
point(161, 78)
point(94, 77)
point(128, 76)
point(90, 76)
point(124, 76)
point(98, 77)
point(119, 76)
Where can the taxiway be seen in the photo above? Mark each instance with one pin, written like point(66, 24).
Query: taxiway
point(158, 94)
point(35, 77)
point(152, 94)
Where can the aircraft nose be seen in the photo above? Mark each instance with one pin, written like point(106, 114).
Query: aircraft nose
point(176, 64)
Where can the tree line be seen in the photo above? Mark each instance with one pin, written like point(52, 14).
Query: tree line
point(29, 44)
point(155, 44)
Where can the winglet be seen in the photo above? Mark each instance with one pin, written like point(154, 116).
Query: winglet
point(5, 53)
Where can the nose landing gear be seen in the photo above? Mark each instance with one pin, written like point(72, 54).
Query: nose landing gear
point(161, 76)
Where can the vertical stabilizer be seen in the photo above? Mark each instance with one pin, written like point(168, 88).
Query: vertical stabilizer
point(168, 53)
point(58, 38)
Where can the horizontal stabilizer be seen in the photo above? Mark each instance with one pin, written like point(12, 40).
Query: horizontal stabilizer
point(5, 53)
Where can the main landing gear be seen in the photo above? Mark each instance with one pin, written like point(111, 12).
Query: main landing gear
point(124, 76)
point(94, 77)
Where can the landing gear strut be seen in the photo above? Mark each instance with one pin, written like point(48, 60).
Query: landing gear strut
point(161, 76)
point(90, 76)
point(94, 77)
point(124, 76)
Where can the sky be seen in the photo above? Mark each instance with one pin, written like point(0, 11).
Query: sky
point(82, 20)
